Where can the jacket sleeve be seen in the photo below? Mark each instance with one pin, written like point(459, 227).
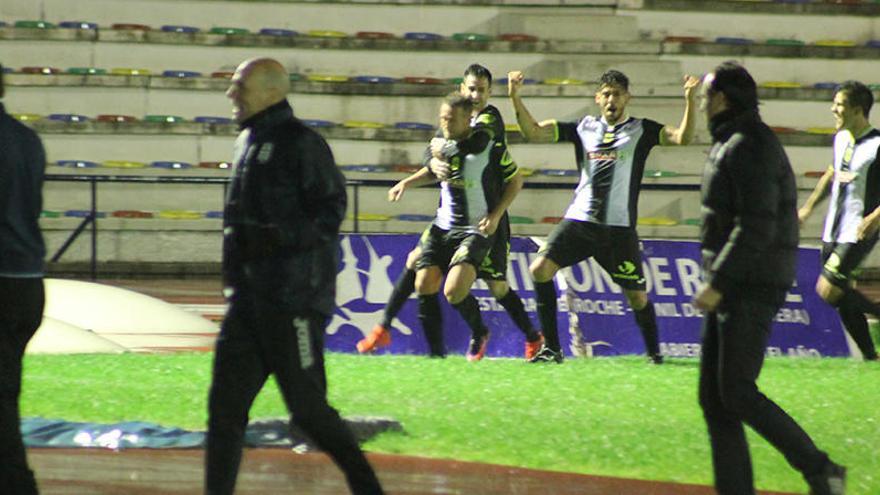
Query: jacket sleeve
point(753, 175)
point(317, 217)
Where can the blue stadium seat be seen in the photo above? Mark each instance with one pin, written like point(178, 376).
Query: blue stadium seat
point(207, 119)
point(278, 32)
point(182, 74)
point(170, 165)
point(422, 36)
point(67, 117)
point(418, 126)
point(77, 164)
point(77, 25)
point(374, 79)
point(318, 123)
point(170, 28)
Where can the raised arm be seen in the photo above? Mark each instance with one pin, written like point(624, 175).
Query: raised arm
point(533, 131)
point(817, 196)
point(421, 177)
point(684, 133)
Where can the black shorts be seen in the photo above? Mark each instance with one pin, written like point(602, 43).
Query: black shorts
point(840, 262)
point(615, 248)
point(447, 248)
point(494, 265)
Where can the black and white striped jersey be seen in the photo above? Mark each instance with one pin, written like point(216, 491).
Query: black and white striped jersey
point(855, 190)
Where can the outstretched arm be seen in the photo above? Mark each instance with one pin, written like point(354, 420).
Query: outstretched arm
point(419, 178)
point(533, 131)
point(684, 133)
point(817, 196)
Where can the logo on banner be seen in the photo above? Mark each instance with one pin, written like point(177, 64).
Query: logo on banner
point(362, 291)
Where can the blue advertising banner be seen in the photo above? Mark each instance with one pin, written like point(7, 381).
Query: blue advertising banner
point(594, 318)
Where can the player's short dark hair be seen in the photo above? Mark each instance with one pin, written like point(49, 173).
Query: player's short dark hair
point(858, 95)
point(2, 89)
point(737, 85)
point(478, 71)
point(614, 78)
point(456, 100)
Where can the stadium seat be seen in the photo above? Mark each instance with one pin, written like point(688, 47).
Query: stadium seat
point(132, 214)
point(326, 33)
point(558, 172)
point(29, 24)
point(39, 70)
point(50, 214)
point(780, 84)
point(471, 37)
point(821, 130)
point(78, 25)
point(416, 126)
point(181, 74)
point(170, 28)
point(66, 117)
point(835, 43)
point(373, 35)
point(170, 165)
point(518, 219)
point(372, 217)
point(518, 37)
point(511, 128)
point(660, 174)
point(222, 74)
point(783, 130)
point(364, 168)
point(214, 214)
point(682, 39)
point(414, 217)
point(406, 169)
point(180, 215)
point(551, 219)
point(165, 119)
point(125, 26)
point(784, 42)
point(86, 71)
point(328, 78)
point(814, 174)
point(374, 79)
point(873, 44)
point(207, 119)
point(318, 123)
point(228, 31)
point(362, 124)
point(77, 164)
point(564, 81)
point(526, 172)
point(825, 85)
point(417, 36)
point(727, 40)
point(422, 80)
point(657, 221)
point(215, 165)
point(128, 71)
point(27, 117)
point(107, 117)
point(83, 214)
point(123, 164)
point(692, 221)
point(503, 81)
point(278, 32)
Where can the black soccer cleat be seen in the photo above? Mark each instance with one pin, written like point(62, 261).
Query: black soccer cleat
point(655, 358)
point(547, 355)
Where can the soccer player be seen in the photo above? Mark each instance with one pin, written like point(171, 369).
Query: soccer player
point(476, 85)
point(853, 218)
point(600, 222)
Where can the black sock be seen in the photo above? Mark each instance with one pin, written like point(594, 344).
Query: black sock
point(857, 326)
point(517, 311)
point(545, 293)
point(858, 300)
point(470, 311)
point(432, 324)
point(646, 319)
point(403, 288)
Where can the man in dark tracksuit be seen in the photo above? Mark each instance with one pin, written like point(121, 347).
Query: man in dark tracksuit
point(749, 243)
point(22, 161)
point(280, 256)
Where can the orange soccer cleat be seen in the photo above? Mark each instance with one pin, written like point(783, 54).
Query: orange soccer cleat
point(477, 347)
point(378, 337)
point(532, 348)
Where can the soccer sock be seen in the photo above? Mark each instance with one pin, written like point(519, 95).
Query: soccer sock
point(432, 324)
point(403, 288)
point(514, 306)
point(470, 311)
point(858, 300)
point(646, 319)
point(857, 325)
point(545, 293)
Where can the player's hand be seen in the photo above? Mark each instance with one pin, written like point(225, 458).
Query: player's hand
point(868, 227)
point(804, 213)
point(439, 168)
point(707, 298)
point(488, 224)
point(691, 85)
point(515, 80)
point(396, 192)
point(437, 147)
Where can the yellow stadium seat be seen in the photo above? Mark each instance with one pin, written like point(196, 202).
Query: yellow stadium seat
point(123, 164)
point(127, 71)
point(27, 117)
point(560, 81)
point(821, 130)
point(780, 84)
point(327, 78)
point(835, 43)
point(326, 33)
point(657, 221)
point(180, 214)
point(362, 124)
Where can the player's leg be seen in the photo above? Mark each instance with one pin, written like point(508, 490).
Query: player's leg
point(834, 286)
point(429, 277)
point(470, 251)
point(239, 373)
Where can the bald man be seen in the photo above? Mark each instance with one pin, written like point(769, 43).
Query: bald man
point(280, 248)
